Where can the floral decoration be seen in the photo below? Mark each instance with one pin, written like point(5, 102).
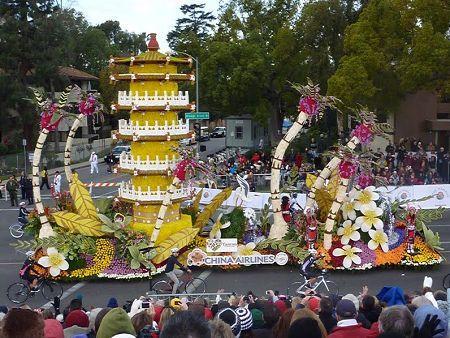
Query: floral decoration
point(364, 180)
point(87, 107)
point(378, 239)
point(423, 255)
point(308, 105)
point(104, 254)
point(347, 169)
point(363, 132)
point(50, 118)
point(366, 197)
point(55, 261)
point(249, 213)
point(350, 255)
point(367, 255)
point(400, 234)
point(391, 257)
point(370, 218)
point(348, 210)
point(348, 231)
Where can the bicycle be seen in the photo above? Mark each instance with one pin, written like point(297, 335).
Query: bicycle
point(446, 282)
point(322, 285)
point(16, 229)
point(19, 292)
point(188, 281)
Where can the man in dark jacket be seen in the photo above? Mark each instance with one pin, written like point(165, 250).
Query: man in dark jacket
point(22, 183)
point(11, 186)
point(29, 190)
point(173, 273)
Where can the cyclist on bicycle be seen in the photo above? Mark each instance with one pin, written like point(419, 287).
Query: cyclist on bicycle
point(172, 272)
point(307, 269)
point(23, 213)
point(29, 273)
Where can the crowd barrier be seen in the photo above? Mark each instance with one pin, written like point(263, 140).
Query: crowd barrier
point(440, 196)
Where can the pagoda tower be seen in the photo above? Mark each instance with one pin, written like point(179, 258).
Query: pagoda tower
point(154, 130)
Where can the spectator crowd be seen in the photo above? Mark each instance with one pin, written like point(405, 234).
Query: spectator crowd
point(390, 313)
point(405, 163)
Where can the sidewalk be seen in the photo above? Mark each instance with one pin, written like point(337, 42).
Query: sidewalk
point(50, 172)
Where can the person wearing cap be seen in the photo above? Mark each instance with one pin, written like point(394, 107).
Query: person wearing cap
point(93, 160)
point(23, 213)
point(172, 272)
point(347, 325)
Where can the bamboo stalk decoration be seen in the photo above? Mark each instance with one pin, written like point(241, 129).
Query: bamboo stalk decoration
point(163, 210)
point(46, 229)
point(326, 173)
point(68, 148)
point(50, 118)
point(335, 207)
point(279, 227)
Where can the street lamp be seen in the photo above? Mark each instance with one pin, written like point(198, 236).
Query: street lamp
point(197, 103)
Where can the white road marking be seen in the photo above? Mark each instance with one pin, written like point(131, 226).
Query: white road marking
point(66, 294)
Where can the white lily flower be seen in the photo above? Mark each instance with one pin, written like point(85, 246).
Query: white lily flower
point(215, 230)
point(350, 254)
point(348, 231)
point(55, 261)
point(378, 238)
point(366, 197)
point(348, 210)
point(370, 218)
point(247, 249)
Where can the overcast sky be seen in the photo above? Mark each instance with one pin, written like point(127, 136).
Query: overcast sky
point(150, 16)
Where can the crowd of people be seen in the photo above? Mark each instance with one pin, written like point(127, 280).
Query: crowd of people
point(390, 313)
point(405, 163)
point(410, 163)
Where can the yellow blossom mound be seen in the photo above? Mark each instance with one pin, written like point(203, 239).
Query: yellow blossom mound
point(104, 254)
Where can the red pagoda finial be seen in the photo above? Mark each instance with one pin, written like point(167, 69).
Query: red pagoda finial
point(153, 43)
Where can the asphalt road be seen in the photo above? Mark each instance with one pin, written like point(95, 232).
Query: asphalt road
point(258, 279)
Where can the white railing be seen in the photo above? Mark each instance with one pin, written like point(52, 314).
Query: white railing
point(127, 161)
point(134, 128)
point(126, 190)
point(146, 100)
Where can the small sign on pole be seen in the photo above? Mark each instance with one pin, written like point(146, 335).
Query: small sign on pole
point(197, 116)
point(30, 157)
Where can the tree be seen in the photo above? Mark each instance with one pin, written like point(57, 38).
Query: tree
point(395, 47)
point(122, 42)
point(195, 25)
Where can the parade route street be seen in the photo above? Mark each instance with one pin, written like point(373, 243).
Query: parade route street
point(258, 279)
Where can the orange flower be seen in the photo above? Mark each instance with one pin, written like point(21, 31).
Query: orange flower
point(391, 257)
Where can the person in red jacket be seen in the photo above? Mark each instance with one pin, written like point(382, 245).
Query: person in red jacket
point(286, 209)
point(347, 325)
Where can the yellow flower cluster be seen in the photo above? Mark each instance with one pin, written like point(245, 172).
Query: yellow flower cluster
point(423, 254)
point(199, 242)
point(104, 254)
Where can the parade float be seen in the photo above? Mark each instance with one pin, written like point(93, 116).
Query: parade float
point(348, 215)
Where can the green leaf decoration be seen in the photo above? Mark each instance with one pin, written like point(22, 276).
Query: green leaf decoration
point(210, 209)
point(135, 264)
point(77, 224)
point(24, 245)
point(103, 205)
point(106, 221)
point(432, 238)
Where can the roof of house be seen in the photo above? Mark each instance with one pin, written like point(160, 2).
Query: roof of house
point(75, 74)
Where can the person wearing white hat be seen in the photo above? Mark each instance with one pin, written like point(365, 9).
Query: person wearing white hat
point(173, 273)
point(94, 163)
point(23, 213)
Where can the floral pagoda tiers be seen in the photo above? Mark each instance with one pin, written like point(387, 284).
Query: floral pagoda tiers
point(154, 130)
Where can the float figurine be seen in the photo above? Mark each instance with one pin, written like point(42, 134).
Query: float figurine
point(311, 229)
point(410, 228)
point(286, 209)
